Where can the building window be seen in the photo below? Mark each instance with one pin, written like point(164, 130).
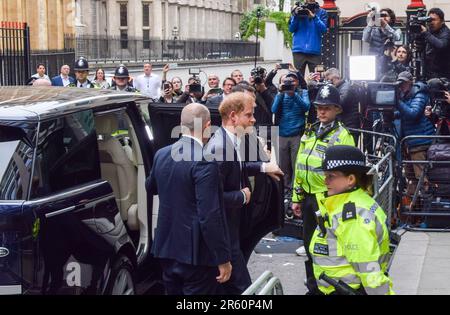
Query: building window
point(146, 14)
point(146, 38)
point(123, 14)
point(124, 39)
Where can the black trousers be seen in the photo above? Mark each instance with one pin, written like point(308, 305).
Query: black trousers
point(183, 279)
point(309, 207)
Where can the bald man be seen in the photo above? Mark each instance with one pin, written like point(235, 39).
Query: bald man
point(191, 238)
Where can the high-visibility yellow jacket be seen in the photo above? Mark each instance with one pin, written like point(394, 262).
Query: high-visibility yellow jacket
point(355, 246)
point(309, 177)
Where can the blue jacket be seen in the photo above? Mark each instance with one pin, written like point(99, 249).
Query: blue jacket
point(191, 227)
point(308, 32)
point(57, 80)
point(414, 122)
point(292, 112)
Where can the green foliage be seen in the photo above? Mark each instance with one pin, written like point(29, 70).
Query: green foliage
point(281, 20)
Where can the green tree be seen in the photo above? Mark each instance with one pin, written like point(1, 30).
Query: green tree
point(281, 20)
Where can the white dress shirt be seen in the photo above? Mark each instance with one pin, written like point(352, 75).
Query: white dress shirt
point(65, 80)
point(149, 85)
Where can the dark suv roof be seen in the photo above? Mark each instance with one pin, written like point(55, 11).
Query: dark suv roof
point(37, 103)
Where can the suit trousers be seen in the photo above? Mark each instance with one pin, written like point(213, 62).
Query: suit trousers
point(288, 149)
point(183, 279)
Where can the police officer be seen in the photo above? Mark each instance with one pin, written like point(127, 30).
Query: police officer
point(351, 242)
point(309, 180)
point(81, 69)
point(122, 79)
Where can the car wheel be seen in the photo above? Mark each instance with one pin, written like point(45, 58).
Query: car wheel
point(121, 281)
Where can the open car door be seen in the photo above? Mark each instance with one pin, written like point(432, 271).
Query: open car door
point(264, 214)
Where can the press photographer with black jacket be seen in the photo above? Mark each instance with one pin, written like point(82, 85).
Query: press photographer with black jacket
point(437, 38)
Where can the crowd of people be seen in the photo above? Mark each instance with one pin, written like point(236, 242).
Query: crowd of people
point(323, 173)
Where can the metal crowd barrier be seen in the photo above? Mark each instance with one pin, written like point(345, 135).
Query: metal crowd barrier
point(266, 284)
point(383, 167)
point(425, 200)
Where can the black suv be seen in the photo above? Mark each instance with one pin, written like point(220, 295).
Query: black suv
point(74, 214)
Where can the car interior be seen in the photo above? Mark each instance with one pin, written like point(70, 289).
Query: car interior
point(122, 166)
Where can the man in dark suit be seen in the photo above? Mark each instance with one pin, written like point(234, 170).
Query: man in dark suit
point(63, 79)
point(191, 238)
point(236, 112)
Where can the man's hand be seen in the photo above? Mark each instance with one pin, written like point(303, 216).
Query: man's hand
point(310, 13)
point(424, 29)
point(273, 170)
point(383, 22)
point(167, 92)
point(224, 272)
point(248, 194)
point(297, 209)
point(447, 97)
point(166, 68)
point(370, 18)
point(292, 68)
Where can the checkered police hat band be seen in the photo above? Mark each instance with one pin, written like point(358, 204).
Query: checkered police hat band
point(338, 163)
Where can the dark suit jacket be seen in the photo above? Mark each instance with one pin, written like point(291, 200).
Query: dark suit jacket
point(222, 149)
point(191, 221)
point(214, 101)
point(57, 81)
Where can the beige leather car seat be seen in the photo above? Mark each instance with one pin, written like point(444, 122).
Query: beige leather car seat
point(116, 167)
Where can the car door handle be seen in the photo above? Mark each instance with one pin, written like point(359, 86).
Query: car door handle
point(58, 212)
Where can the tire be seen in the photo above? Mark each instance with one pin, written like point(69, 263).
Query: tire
point(121, 281)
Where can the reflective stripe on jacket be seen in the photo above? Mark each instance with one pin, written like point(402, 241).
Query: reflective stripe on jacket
point(308, 166)
point(355, 248)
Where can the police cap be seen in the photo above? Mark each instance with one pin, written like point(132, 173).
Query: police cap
point(121, 72)
point(344, 158)
point(81, 64)
point(328, 95)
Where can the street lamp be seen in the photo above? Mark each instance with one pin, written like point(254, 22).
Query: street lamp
point(259, 14)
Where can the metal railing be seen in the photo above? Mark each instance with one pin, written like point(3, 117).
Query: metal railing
point(131, 49)
point(14, 53)
point(53, 60)
point(266, 284)
point(425, 191)
point(383, 168)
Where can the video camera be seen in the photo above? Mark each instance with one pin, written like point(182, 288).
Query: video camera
point(301, 9)
point(437, 88)
point(382, 97)
point(258, 74)
point(417, 21)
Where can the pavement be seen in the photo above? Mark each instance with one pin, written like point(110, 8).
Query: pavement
point(287, 266)
point(421, 264)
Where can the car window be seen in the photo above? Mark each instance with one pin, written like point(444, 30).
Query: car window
point(16, 159)
point(67, 154)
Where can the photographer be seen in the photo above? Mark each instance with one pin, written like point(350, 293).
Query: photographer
point(193, 92)
point(411, 107)
point(308, 23)
point(437, 38)
point(264, 97)
point(398, 62)
point(290, 108)
point(349, 100)
point(271, 75)
point(380, 33)
point(168, 94)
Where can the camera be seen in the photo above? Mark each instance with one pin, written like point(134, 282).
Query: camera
point(195, 88)
point(288, 85)
point(258, 74)
point(437, 88)
point(419, 20)
point(301, 9)
point(382, 96)
point(194, 71)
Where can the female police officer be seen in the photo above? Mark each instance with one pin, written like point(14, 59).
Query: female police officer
point(351, 242)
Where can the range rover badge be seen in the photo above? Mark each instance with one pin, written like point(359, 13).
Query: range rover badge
point(3, 252)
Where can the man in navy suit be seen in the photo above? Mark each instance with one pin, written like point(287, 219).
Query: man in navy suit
point(63, 79)
point(191, 238)
point(236, 111)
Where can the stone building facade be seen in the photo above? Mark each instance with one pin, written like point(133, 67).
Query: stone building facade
point(166, 19)
point(48, 20)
